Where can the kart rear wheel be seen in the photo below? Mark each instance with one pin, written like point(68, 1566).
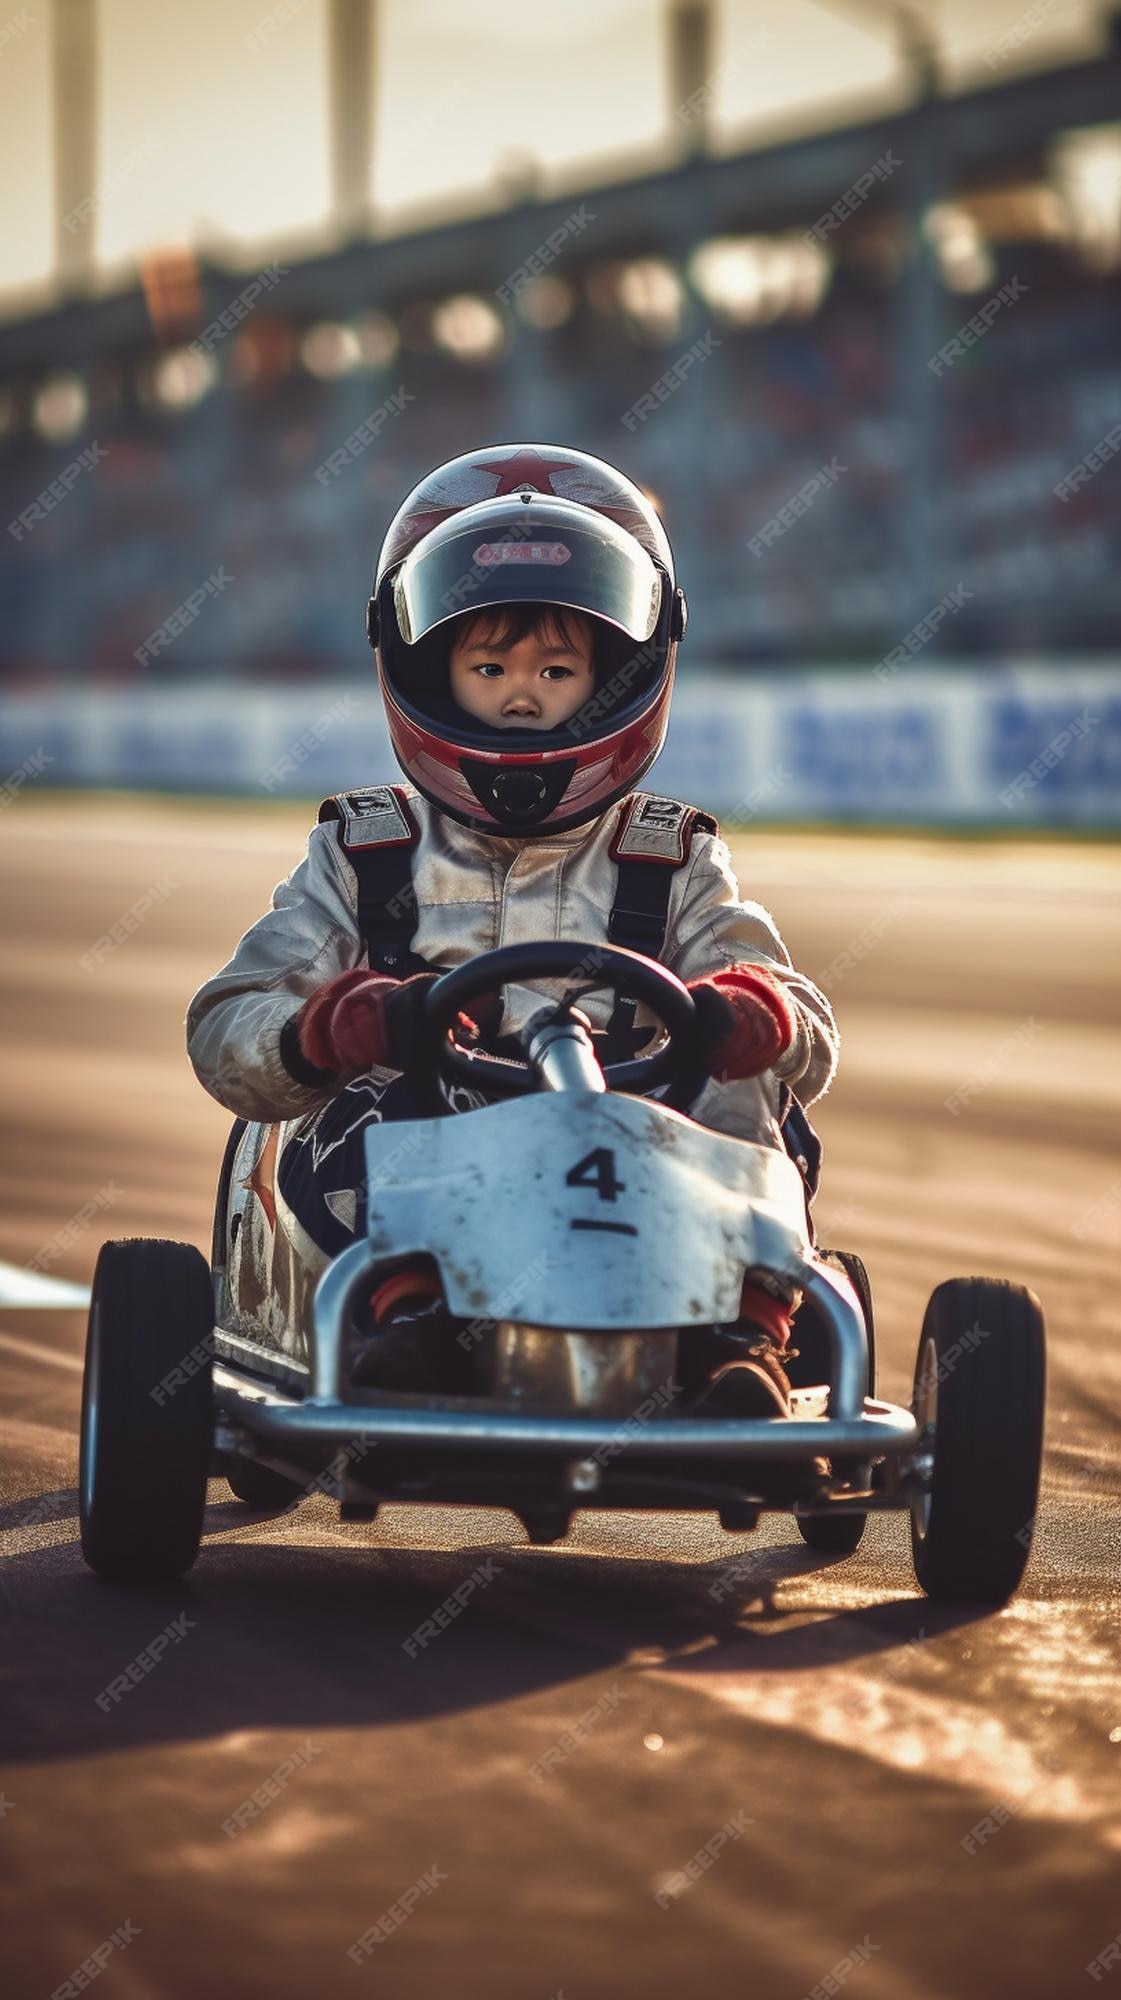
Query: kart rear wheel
point(831, 1534)
point(259, 1485)
point(978, 1397)
point(146, 1411)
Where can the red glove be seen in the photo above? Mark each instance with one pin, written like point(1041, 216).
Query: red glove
point(360, 1020)
point(745, 1021)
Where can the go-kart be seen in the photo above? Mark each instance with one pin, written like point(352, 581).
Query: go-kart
point(587, 1235)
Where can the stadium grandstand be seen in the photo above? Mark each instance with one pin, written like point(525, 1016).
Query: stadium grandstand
point(810, 324)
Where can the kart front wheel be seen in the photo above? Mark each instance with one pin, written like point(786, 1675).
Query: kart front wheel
point(146, 1411)
point(978, 1399)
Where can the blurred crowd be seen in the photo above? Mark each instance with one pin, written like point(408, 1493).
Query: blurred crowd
point(960, 464)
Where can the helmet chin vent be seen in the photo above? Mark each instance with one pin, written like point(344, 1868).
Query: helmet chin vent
point(521, 796)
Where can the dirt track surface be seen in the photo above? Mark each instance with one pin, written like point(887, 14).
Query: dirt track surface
point(851, 1734)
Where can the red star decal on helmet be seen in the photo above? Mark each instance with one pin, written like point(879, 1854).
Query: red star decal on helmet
point(526, 468)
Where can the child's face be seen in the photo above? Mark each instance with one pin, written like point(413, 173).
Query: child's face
point(535, 682)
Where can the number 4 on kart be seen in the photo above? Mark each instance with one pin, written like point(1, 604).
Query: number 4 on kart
point(597, 1170)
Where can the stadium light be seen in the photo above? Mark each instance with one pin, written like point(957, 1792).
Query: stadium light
point(60, 408)
point(182, 377)
point(329, 350)
point(966, 263)
point(1087, 170)
point(545, 303)
point(378, 338)
point(651, 297)
point(469, 328)
point(753, 280)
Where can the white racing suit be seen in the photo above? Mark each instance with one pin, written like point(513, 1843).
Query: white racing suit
point(473, 892)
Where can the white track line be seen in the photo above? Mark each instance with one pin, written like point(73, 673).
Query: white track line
point(21, 1288)
point(48, 1354)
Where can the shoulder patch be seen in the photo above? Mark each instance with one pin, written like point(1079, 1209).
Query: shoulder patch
point(376, 816)
point(652, 828)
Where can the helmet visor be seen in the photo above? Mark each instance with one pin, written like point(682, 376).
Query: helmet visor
point(529, 558)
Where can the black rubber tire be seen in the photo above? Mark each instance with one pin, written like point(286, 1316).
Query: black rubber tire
point(145, 1458)
point(857, 1272)
point(839, 1534)
point(971, 1543)
point(810, 1337)
point(260, 1486)
point(831, 1534)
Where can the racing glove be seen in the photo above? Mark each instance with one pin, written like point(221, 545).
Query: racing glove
point(744, 1021)
point(361, 1020)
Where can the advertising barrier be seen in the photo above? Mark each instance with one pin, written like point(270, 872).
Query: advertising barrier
point(1002, 747)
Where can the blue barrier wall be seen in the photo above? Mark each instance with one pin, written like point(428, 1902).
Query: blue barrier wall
point(1009, 748)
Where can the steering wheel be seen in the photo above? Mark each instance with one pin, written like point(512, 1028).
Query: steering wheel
point(590, 967)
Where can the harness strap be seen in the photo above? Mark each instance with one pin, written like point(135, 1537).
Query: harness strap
point(652, 841)
point(377, 833)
